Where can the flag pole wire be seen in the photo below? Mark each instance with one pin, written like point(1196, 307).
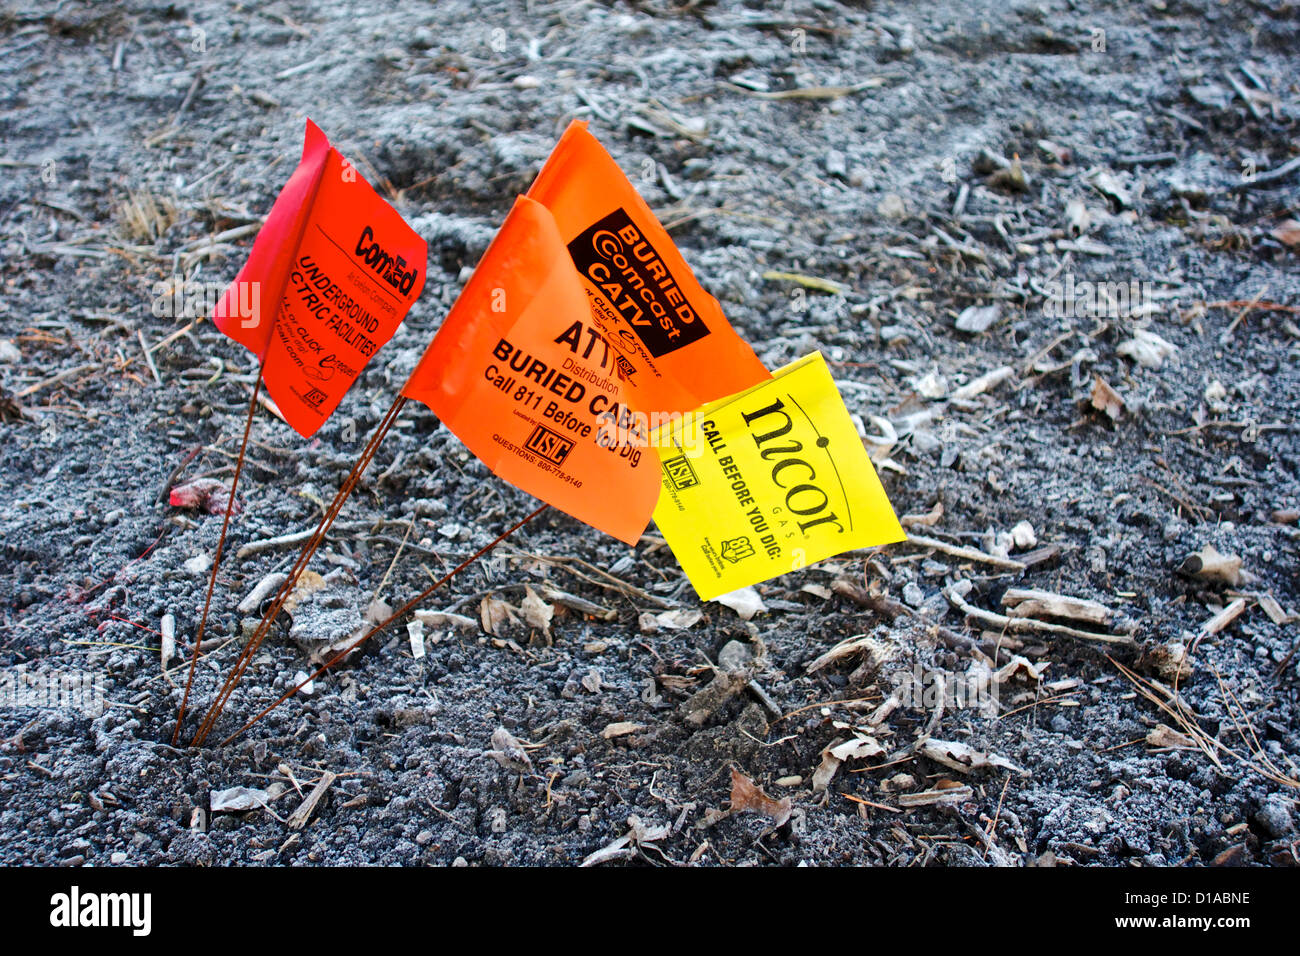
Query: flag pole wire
point(216, 558)
point(300, 565)
point(400, 612)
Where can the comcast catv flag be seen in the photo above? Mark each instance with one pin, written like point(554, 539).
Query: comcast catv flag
point(767, 481)
point(581, 328)
point(676, 350)
point(331, 275)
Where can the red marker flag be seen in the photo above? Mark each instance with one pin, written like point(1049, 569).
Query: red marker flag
point(331, 275)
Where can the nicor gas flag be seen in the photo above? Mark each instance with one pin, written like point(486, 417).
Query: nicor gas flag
point(331, 275)
point(767, 481)
point(676, 349)
point(520, 376)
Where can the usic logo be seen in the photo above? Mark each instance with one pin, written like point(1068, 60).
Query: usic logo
point(554, 448)
point(680, 472)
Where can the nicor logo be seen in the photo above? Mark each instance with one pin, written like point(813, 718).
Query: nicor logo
point(629, 273)
point(551, 446)
point(806, 496)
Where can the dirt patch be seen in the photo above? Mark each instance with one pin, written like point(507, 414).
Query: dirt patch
point(1099, 176)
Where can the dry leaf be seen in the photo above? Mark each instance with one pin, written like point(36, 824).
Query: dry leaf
point(537, 613)
point(746, 602)
point(678, 620)
point(237, 800)
point(964, 759)
point(879, 652)
point(747, 795)
point(495, 614)
point(509, 752)
point(860, 747)
point(1287, 233)
point(1147, 348)
point(1106, 399)
point(1164, 736)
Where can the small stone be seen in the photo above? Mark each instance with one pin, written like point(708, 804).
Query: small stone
point(1275, 816)
point(1023, 536)
point(892, 206)
point(836, 164)
point(978, 318)
point(735, 656)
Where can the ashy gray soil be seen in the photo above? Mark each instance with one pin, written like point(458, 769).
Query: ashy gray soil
point(1015, 155)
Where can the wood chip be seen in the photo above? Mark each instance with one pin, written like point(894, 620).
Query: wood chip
point(621, 729)
point(1225, 617)
point(299, 818)
point(1210, 565)
point(1029, 602)
point(938, 794)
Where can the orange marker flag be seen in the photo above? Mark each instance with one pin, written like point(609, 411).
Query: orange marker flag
point(331, 275)
point(677, 349)
point(519, 375)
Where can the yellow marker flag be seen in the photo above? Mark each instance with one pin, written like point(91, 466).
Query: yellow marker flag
point(769, 480)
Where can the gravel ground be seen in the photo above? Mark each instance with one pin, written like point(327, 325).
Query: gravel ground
point(954, 183)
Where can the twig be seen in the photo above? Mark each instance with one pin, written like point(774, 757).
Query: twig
point(968, 554)
point(1027, 623)
point(55, 379)
point(298, 819)
point(396, 615)
point(1264, 178)
point(300, 565)
point(1227, 333)
point(148, 356)
point(216, 558)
